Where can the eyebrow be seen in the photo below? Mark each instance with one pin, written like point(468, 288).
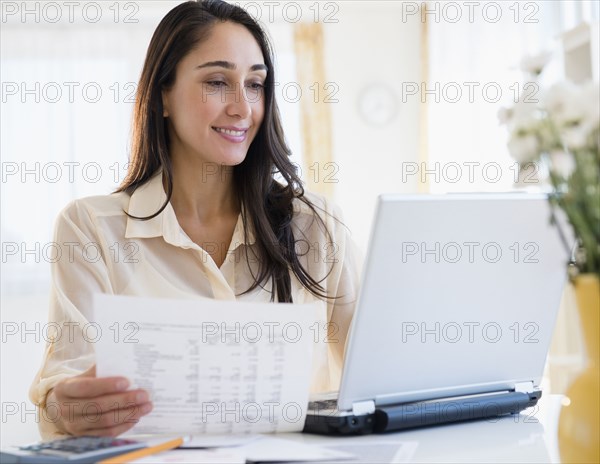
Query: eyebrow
point(229, 65)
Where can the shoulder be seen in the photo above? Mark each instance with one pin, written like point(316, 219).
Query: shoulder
point(89, 210)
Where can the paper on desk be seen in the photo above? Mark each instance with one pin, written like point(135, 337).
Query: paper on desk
point(270, 449)
point(210, 366)
point(375, 449)
point(204, 456)
point(263, 449)
point(218, 441)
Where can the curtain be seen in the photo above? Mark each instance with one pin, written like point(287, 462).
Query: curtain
point(316, 117)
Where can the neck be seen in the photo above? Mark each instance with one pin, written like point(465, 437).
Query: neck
point(204, 191)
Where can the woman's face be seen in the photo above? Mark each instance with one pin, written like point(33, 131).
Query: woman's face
point(216, 105)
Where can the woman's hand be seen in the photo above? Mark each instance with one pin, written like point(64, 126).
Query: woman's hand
point(87, 405)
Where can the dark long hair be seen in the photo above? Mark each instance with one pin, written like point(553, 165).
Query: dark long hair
point(266, 203)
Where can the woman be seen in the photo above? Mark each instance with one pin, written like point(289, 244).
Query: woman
point(199, 214)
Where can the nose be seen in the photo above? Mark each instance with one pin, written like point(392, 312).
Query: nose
point(238, 104)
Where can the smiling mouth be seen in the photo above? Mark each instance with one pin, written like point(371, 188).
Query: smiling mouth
point(234, 133)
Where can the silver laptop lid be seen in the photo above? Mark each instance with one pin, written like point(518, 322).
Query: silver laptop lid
point(459, 296)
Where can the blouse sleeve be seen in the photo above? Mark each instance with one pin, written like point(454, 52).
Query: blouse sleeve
point(78, 273)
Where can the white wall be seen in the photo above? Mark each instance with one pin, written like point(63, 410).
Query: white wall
point(371, 48)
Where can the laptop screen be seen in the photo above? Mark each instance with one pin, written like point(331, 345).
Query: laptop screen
point(459, 296)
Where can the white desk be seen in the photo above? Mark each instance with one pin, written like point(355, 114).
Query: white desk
point(530, 437)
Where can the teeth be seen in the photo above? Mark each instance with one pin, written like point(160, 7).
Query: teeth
point(230, 132)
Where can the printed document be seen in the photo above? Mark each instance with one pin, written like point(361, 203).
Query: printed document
point(217, 367)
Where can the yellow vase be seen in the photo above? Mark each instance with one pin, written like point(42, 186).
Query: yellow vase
point(579, 425)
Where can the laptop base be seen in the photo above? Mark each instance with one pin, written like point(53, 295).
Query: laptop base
point(420, 414)
point(333, 424)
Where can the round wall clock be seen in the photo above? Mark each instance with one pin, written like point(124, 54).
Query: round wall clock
point(377, 104)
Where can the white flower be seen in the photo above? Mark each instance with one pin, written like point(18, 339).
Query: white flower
point(591, 95)
point(565, 104)
point(534, 64)
point(524, 148)
point(575, 110)
point(505, 115)
point(576, 136)
point(524, 125)
point(562, 163)
point(528, 176)
point(524, 116)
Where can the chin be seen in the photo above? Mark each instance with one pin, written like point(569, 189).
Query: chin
point(233, 160)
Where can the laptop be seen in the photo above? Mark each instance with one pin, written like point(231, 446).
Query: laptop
point(456, 311)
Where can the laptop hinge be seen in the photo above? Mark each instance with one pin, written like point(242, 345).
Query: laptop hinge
point(360, 408)
point(524, 387)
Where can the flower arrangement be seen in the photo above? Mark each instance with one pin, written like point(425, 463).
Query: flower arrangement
point(559, 135)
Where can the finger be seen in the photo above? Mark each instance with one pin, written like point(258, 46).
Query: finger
point(117, 417)
point(110, 431)
point(74, 408)
point(92, 420)
point(90, 387)
point(122, 400)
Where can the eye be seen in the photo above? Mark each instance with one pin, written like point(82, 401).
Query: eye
point(216, 83)
point(256, 85)
point(255, 91)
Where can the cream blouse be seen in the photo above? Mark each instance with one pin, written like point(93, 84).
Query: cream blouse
point(105, 251)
